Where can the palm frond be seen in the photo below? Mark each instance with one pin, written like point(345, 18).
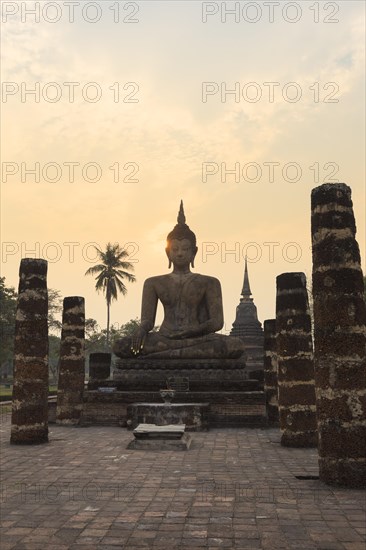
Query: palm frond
point(112, 270)
point(95, 269)
point(125, 275)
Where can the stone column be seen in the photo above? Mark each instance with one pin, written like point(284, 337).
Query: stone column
point(270, 370)
point(340, 337)
point(72, 362)
point(29, 421)
point(296, 386)
point(99, 366)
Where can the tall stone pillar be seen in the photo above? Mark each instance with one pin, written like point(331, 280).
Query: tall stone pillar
point(296, 386)
point(340, 337)
point(72, 362)
point(29, 420)
point(270, 370)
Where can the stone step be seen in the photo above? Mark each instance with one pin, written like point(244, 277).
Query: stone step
point(203, 384)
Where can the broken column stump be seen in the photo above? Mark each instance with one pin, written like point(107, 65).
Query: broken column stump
point(99, 366)
point(340, 337)
point(270, 370)
point(296, 385)
point(72, 362)
point(29, 420)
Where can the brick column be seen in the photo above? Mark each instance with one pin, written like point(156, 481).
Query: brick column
point(340, 337)
point(72, 362)
point(270, 369)
point(296, 386)
point(29, 421)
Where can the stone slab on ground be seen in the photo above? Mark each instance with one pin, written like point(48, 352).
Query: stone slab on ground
point(195, 416)
point(152, 431)
point(150, 437)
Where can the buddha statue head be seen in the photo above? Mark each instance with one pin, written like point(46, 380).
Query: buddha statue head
point(181, 242)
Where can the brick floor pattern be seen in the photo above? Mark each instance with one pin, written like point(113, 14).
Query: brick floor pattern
point(235, 488)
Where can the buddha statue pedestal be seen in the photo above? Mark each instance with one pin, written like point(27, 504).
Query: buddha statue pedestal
point(203, 375)
point(233, 399)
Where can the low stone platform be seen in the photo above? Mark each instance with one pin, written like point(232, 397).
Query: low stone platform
point(195, 416)
point(234, 409)
point(234, 400)
point(150, 437)
point(203, 374)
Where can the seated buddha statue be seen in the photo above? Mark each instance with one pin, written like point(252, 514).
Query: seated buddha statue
point(193, 311)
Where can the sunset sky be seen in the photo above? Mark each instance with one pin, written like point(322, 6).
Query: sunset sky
point(163, 131)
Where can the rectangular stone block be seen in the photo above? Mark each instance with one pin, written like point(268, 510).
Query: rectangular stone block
point(340, 312)
point(300, 394)
point(339, 344)
point(182, 444)
point(297, 302)
point(300, 321)
point(300, 420)
point(292, 344)
point(153, 431)
point(342, 442)
point(333, 250)
point(341, 374)
point(338, 407)
point(298, 370)
point(347, 473)
point(299, 439)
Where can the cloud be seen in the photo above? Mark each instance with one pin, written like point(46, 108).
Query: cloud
point(170, 132)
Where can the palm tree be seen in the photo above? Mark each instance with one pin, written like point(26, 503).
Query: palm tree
point(110, 274)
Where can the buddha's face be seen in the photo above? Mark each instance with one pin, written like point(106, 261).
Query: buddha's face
point(180, 252)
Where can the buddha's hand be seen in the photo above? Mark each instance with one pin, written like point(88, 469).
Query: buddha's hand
point(180, 334)
point(138, 340)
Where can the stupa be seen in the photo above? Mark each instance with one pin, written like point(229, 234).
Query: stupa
point(247, 327)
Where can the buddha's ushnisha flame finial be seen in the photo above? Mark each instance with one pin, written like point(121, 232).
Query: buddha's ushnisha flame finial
point(181, 216)
point(182, 231)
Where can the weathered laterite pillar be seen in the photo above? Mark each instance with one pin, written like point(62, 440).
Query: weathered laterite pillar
point(99, 366)
point(270, 369)
point(29, 420)
point(296, 386)
point(340, 337)
point(72, 362)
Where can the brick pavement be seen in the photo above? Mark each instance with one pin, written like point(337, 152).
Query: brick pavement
point(232, 489)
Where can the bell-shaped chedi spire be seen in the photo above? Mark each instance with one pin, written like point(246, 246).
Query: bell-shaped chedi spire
point(246, 292)
point(247, 327)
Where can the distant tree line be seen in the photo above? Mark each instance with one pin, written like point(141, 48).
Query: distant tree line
point(95, 338)
point(110, 273)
